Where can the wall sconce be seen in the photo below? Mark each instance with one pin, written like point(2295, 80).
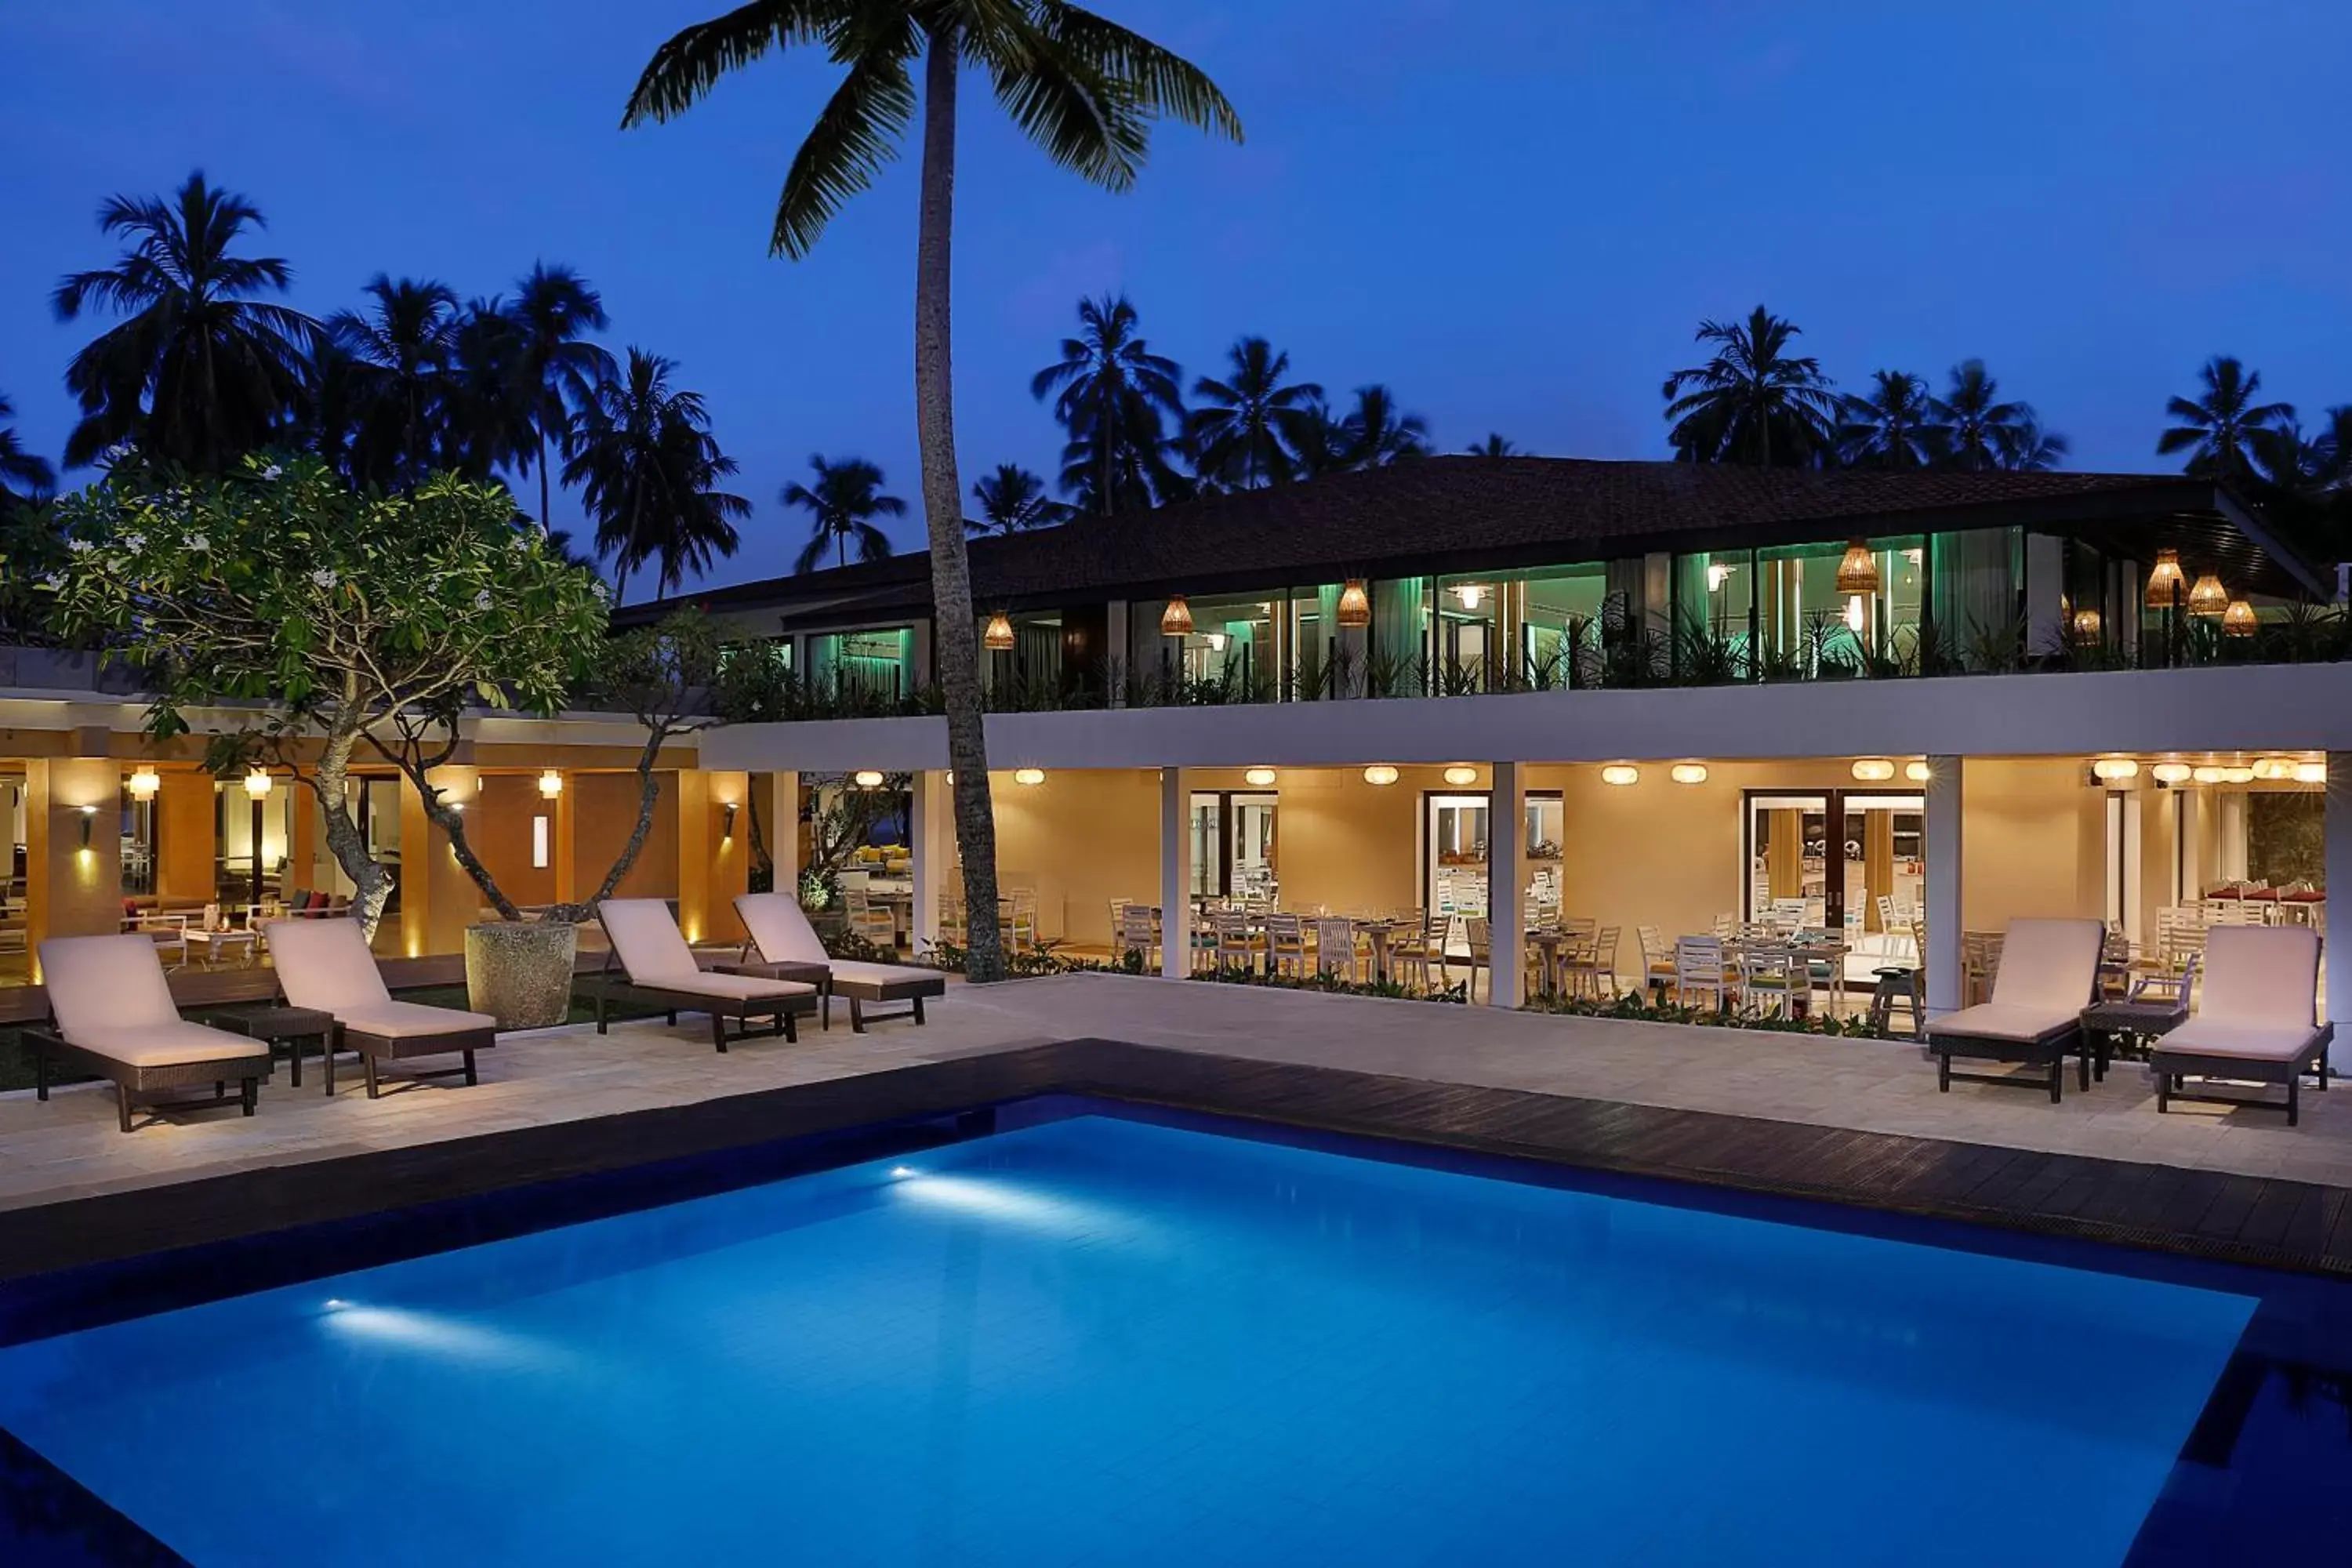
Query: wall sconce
point(727, 823)
point(2273, 769)
point(998, 638)
point(1380, 774)
point(144, 783)
point(1355, 611)
point(258, 783)
point(1688, 773)
point(2311, 772)
point(867, 778)
point(1461, 775)
point(551, 784)
point(1918, 773)
point(1259, 778)
point(1029, 775)
point(2114, 770)
point(1873, 769)
point(2172, 773)
point(1621, 774)
point(1176, 620)
point(89, 816)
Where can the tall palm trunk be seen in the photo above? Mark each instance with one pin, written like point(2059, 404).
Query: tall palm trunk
point(955, 646)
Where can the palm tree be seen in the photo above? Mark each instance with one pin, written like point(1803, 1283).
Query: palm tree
point(555, 369)
point(2031, 449)
point(843, 505)
point(483, 414)
point(402, 352)
point(1013, 500)
point(201, 370)
point(1323, 447)
point(1754, 402)
point(1376, 434)
point(1495, 445)
point(19, 466)
point(1892, 427)
point(1978, 428)
point(2217, 429)
point(1247, 432)
point(1086, 90)
point(648, 471)
point(1111, 392)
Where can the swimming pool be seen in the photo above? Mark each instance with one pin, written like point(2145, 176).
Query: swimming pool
point(1097, 1340)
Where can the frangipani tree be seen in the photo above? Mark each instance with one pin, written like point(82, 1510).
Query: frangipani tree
point(329, 618)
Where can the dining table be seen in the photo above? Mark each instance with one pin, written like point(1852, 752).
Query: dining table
point(1808, 947)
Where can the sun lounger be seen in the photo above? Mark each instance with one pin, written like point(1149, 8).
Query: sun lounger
point(2049, 973)
point(111, 1014)
point(658, 970)
point(2256, 1022)
point(786, 947)
point(325, 965)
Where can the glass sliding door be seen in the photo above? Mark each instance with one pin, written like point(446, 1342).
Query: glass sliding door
point(1233, 845)
point(1839, 861)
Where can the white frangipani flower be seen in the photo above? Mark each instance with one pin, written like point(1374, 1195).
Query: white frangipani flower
point(324, 577)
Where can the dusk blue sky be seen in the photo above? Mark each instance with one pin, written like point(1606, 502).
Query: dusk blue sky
point(1513, 212)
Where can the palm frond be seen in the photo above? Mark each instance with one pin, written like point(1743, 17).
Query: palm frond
point(855, 135)
point(690, 64)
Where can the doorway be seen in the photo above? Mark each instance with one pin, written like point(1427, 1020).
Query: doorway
point(1851, 861)
point(1233, 845)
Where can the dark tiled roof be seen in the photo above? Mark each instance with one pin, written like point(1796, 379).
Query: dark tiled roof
point(1470, 513)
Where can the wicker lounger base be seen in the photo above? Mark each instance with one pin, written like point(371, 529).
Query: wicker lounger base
point(781, 1011)
point(2049, 1052)
point(133, 1083)
point(2170, 1067)
point(375, 1049)
point(857, 991)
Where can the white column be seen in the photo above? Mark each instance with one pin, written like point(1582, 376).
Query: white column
point(2230, 835)
point(1175, 876)
point(2336, 835)
point(1943, 889)
point(2188, 846)
point(781, 822)
point(933, 825)
point(2135, 804)
point(1507, 883)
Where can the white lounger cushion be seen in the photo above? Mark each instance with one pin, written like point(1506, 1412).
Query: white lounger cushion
point(325, 965)
point(2261, 974)
point(1992, 1021)
point(2047, 970)
point(109, 997)
point(411, 1020)
point(646, 940)
point(2049, 965)
point(728, 987)
point(2260, 999)
point(857, 973)
point(2248, 1042)
point(779, 932)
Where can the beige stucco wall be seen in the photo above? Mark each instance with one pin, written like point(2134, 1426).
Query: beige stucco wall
point(1080, 840)
point(1340, 843)
point(2033, 841)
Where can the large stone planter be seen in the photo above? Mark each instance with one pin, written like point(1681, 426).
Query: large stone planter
point(520, 972)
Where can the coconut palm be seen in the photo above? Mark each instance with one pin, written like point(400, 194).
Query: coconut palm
point(1013, 500)
point(201, 370)
point(1495, 445)
point(1892, 428)
point(483, 414)
point(2217, 428)
point(648, 473)
point(842, 506)
point(403, 350)
point(1086, 90)
point(1111, 392)
point(24, 475)
point(1977, 428)
point(1323, 445)
point(1377, 433)
point(1754, 402)
point(555, 370)
point(1246, 431)
point(2031, 449)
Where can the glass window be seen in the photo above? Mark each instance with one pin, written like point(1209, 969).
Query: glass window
point(1230, 650)
point(1032, 665)
point(1979, 577)
point(879, 662)
point(1803, 621)
point(1398, 650)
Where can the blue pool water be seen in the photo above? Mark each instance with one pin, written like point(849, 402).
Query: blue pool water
point(1096, 1341)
